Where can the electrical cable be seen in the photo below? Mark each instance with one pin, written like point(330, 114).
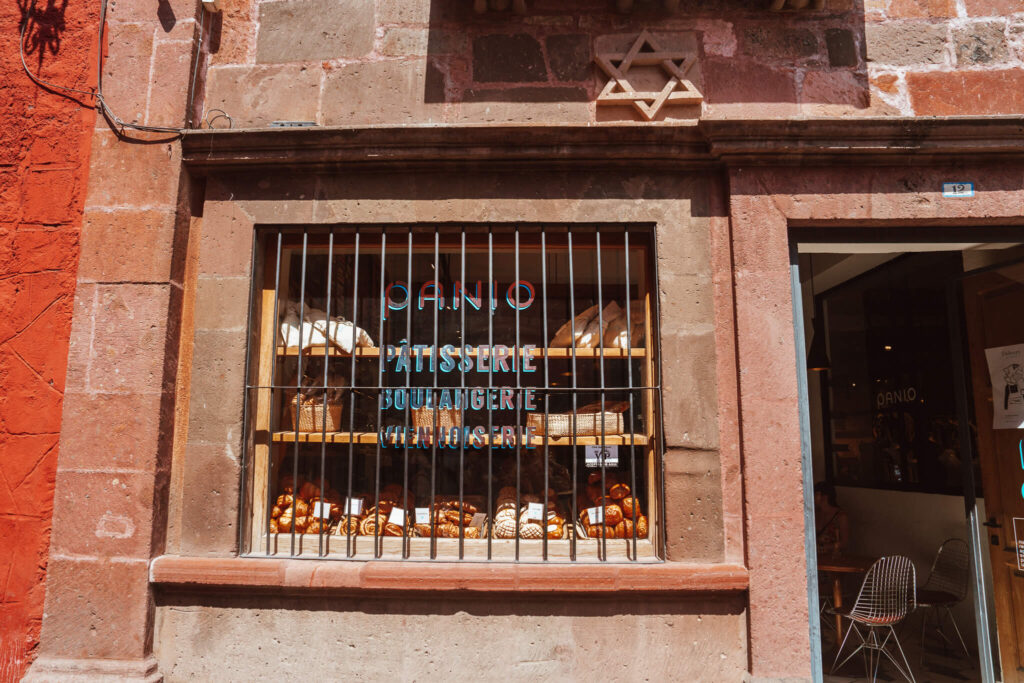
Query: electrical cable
point(100, 103)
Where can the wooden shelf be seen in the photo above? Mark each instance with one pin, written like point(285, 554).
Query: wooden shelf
point(318, 351)
point(373, 437)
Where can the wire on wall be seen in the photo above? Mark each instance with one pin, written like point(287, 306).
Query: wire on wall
point(97, 93)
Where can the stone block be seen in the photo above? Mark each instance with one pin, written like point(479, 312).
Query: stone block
point(125, 68)
point(569, 56)
point(218, 388)
point(209, 510)
point(103, 514)
point(835, 87)
point(403, 11)
point(405, 42)
point(842, 47)
point(126, 246)
point(693, 498)
point(922, 9)
point(503, 58)
point(381, 93)
point(97, 609)
point(222, 303)
point(167, 14)
point(772, 42)
point(689, 396)
point(111, 430)
point(905, 43)
point(254, 96)
point(735, 80)
point(314, 30)
point(169, 84)
point(225, 242)
point(80, 341)
point(945, 93)
point(130, 339)
point(992, 8)
point(981, 43)
point(127, 175)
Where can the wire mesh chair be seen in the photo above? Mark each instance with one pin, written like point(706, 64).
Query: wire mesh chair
point(946, 588)
point(886, 597)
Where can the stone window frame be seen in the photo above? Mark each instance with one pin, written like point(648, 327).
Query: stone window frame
point(243, 193)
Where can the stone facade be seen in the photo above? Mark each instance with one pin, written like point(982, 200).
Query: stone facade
point(426, 111)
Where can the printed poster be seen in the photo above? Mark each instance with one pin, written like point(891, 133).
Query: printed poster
point(1006, 369)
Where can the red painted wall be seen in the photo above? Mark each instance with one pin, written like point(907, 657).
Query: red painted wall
point(44, 163)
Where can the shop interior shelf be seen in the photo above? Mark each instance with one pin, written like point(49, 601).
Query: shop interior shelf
point(539, 352)
point(373, 437)
point(588, 550)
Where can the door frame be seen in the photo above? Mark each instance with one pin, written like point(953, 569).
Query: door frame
point(961, 390)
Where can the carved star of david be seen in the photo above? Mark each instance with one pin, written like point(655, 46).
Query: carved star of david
point(618, 91)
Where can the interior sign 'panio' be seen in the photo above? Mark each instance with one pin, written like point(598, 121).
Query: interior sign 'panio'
point(486, 358)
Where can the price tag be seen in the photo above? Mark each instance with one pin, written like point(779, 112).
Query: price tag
point(534, 511)
point(322, 510)
point(957, 190)
point(597, 456)
point(354, 506)
point(423, 515)
point(397, 516)
point(595, 515)
point(478, 520)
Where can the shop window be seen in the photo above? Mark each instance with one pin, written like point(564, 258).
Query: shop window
point(458, 392)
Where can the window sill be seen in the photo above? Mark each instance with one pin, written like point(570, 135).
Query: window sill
point(171, 571)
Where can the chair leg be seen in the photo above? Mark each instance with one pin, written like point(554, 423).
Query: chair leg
point(906, 672)
point(924, 625)
point(852, 627)
point(956, 628)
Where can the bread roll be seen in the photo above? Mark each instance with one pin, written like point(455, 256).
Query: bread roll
point(348, 526)
point(612, 514)
point(505, 528)
point(641, 527)
point(630, 506)
point(618, 491)
point(624, 529)
point(273, 526)
point(601, 531)
point(531, 530)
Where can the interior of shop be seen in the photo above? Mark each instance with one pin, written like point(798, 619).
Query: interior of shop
point(892, 486)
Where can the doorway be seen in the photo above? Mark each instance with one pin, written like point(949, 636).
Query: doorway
point(905, 459)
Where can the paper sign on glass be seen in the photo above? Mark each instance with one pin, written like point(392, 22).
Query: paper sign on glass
point(354, 506)
point(534, 512)
point(595, 515)
point(1006, 371)
point(397, 516)
point(478, 520)
point(423, 515)
point(598, 455)
point(322, 510)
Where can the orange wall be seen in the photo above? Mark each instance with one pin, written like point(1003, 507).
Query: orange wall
point(44, 155)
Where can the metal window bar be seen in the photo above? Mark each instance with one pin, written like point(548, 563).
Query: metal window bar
point(574, 237)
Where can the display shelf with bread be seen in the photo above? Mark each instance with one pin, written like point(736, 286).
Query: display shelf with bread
point(395, 413)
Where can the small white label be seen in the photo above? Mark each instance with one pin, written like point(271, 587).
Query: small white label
point(354, 506)
point(397, 516)
point(478, 520)
point(957, 190)
point(595, 515)
point(322, 510)
point(597, 456)
point(423, 515)
point(534, 511)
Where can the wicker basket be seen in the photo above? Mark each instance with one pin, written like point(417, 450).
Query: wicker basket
point(446, 418)
point(310, 418)
point(587, 424)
